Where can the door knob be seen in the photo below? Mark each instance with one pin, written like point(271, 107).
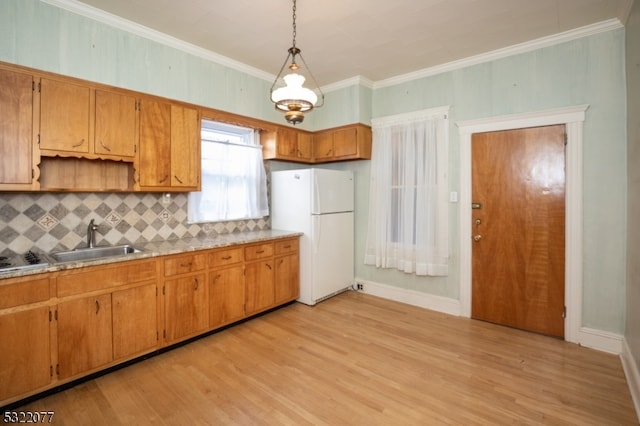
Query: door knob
point(477, 238)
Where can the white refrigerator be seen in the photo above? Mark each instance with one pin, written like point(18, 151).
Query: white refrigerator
point(319, 203)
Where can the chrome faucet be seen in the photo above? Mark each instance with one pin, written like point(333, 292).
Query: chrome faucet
point(91, 234)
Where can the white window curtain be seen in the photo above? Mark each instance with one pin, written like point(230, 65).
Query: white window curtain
point(408, 217)
point(234, 182)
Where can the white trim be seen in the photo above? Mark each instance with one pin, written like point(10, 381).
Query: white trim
point(600, 340)
point(630, 367)
point(573, 118)
point(389, 120)
point(411, 297)
point(528, 46)
point(123, 24)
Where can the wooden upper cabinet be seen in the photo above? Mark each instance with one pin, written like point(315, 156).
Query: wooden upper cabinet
point(288, 144)
point(78, 120)
point(352, 142)
point(64, 116)
point(116, 124)
point(169, 147)
point(185, 147)
point(16, 104)
point(154, 167)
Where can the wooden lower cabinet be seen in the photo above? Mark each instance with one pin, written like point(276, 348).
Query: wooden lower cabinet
point(85, 332)
point(61, 326)
point(226, 296)
point(186, 307)
point(25, 353)
point(135, 320)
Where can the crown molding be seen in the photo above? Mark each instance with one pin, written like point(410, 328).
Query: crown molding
point(123, 24)
point(552, 40)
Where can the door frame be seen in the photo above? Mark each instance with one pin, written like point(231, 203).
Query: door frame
point(573, 119)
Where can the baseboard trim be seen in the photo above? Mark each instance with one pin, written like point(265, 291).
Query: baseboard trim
point(601, 340)
point(412, 297)
point(630, 367)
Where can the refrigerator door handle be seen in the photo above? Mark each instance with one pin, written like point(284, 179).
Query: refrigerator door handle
point(317, 229)
point(315, 207)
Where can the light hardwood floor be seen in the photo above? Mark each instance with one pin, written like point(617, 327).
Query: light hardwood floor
point(358, 360)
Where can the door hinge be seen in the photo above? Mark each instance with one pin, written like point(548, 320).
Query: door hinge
point(38, 138)
point(163, 290)
point(566, 139)
point(50, 316)
point(564, 312)
point(33, 85)
point(157, 336)
point(164, 333)
point(51, 370)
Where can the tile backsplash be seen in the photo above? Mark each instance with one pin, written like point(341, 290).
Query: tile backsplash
point(58, 221)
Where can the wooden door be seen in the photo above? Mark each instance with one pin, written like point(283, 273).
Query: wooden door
point(226, 296)
point(287, 278)
point(260, 286)
point(322, 146)
point(155, 144)
point(185, 147)
point(186, 307)
point(518, 225)
point(345, 142)
point(16, 104)
point(135, 324)
point(25, 357)
point(116, 125)
point(64, 116)
point(84, 335)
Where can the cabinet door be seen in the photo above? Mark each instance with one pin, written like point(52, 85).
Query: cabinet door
point(226, 296)
point(115, 131)
point(185, 147)
point(186, 307)
point(155, 143)
point(305, 146)
point(16, 104)
point(287, 278)
point(64, 116)
point(287, 143)
point(322, 146)
point(25, 355)
point(135, 325)
point(84, 335)
point(260, 286)
point(345, 142)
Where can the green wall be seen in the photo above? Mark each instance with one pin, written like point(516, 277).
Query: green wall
point(587, 71)
point(632, 331)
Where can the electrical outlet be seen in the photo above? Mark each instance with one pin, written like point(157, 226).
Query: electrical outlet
point(359, 286)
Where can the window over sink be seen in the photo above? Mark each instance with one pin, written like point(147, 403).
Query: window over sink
point(234, 181)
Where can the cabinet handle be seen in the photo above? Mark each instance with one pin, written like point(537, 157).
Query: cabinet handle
point(226, 257)
point(177, 178)
point(78, 144)
point(186, 265)
point(215, 280)
point(260, 251)
point(105, 147)
point(268, 266)
point(195, 283)
point(97, 307)
point(281, 262)
point(288, 246)
point(163, 179)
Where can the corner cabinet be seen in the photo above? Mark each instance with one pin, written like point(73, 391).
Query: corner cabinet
point(352, 142)
point(169, 158)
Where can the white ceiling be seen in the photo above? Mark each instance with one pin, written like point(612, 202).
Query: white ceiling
point(375, 39)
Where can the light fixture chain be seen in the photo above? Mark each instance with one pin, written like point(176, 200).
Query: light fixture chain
point(294, 23)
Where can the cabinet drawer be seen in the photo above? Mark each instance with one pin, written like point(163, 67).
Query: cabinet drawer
point(184, 264)
point(22, 291)
point(258, 251)
point(225, 257)
point(105, 276)
point(286, 246)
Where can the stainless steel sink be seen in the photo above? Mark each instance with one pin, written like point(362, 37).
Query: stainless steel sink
point(94, 253)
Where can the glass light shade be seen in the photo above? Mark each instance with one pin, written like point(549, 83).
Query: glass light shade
point(293, 96)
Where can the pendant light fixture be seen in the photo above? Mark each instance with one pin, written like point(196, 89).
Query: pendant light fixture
point(293, 98)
